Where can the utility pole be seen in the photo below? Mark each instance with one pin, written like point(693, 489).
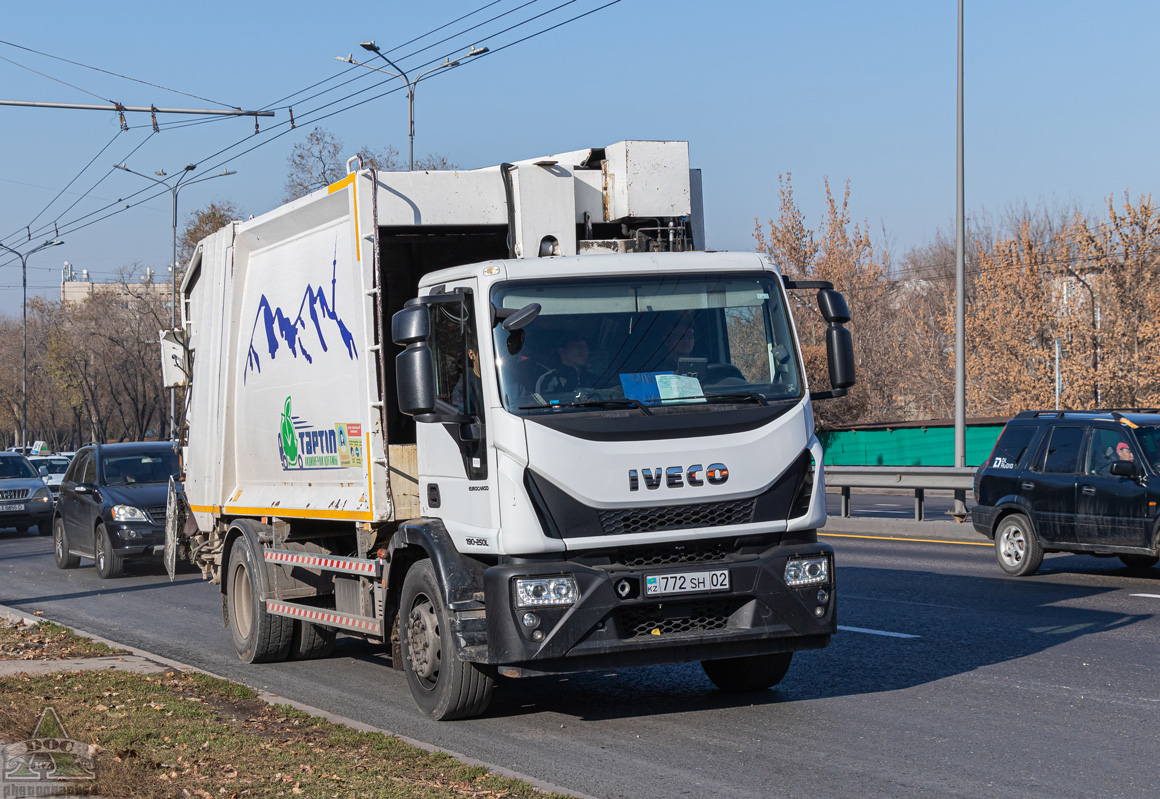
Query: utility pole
point(373, 48)
point(174, 188)
point(959, 511)
point(24, 305)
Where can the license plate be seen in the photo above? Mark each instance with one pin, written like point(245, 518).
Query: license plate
point(12, 507)
point(686, 582)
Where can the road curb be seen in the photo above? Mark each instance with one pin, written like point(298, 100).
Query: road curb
point(540, 785)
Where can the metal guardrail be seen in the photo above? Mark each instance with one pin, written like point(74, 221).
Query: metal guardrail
point(915, 478)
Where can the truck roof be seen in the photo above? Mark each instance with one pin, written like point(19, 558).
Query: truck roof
point(618, 264)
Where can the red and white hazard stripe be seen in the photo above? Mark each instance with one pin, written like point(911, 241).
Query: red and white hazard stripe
point(323, 616)
point(348, 565)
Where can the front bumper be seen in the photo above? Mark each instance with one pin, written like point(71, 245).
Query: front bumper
point(759, 615)
point(136, 540)
point(33, 513)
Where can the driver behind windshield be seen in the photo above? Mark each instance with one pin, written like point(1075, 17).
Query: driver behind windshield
point(570, 371)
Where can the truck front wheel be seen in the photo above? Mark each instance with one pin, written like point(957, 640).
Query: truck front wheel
point(444, 687)
point(259, 636)
point(752, 673)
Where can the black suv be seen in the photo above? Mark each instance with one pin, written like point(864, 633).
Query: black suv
point(1067, 481)
point(112, 505)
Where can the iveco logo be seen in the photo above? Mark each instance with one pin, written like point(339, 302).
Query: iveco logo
point(678, 476)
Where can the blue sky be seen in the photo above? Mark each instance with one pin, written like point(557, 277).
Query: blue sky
point(1061, 105)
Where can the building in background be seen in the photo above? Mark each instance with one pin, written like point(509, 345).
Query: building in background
point(77, 288)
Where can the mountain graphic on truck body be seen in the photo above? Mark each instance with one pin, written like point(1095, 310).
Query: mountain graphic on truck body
point(305, 333)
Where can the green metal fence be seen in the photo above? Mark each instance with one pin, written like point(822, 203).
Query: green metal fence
point(908, 444)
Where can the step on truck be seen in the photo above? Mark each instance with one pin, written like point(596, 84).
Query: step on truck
point(506, 422)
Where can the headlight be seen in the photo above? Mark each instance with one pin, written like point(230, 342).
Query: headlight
point(807, 571)
point(128, 513)
point(546, 591)
point(41, 495)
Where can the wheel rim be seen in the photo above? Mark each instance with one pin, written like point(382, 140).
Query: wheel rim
point(59, 544)
point(242, 600)
point(101, 544)
point(423, 649)
point(1012, 545)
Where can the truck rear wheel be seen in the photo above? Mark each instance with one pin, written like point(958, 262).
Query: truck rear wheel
point(752, 673)
point(444, 687)
point(311, 641)
point(259, 636)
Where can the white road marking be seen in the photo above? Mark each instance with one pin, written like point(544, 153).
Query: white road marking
point(1147, 596)
point(875, 632)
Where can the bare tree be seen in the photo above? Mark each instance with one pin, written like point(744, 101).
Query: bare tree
point(202, 223)
point(318, 161)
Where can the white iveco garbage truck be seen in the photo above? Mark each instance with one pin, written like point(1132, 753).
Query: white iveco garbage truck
point(506, 421)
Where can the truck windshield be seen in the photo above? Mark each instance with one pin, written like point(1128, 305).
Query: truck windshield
point(652, 342)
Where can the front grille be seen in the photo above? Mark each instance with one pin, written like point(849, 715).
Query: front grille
point(14, 493)
point(156, 515)
point(661, 619)
point(676, 517)
point(642, 557)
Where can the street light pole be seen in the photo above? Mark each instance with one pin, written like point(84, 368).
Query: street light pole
point(174, 189)
point(374, 48)
point(24, 379)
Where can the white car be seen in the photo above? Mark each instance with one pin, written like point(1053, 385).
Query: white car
point(52, 469)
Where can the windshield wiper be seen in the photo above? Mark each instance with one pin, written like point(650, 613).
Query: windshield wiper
point(595, 403)
point(754, 396)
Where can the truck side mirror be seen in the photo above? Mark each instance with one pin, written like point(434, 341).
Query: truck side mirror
point(414, 366)
point(833, 307)
point(839, 344)
point(840, 354)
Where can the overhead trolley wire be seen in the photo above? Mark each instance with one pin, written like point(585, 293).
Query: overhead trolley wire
point(309, 117)
point(115, 75)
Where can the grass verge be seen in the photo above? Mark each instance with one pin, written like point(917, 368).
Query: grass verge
point(46, 641)
point(182, 734)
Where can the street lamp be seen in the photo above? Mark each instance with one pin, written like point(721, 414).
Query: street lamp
point(374, 48)
point(24, 380)
point(174, 188)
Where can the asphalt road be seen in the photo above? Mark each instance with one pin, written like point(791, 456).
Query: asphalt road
point(950, 680)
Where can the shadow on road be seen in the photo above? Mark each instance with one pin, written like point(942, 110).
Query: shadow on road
point(963, 623)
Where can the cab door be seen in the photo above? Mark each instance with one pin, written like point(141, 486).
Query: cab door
point(1050, 486)
point(1111, 510)
point(456, 483)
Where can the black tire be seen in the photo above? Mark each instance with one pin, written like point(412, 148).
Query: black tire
point(44, 527)
point(1139, 561)
point(1017, 547)
point(259, 636)
point(444, 687)
point(64, 558)
point(311, 641)
point(109, 563)
point(752, 673)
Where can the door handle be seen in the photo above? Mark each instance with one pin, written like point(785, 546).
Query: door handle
point(1089, 490)
point(1028, 486)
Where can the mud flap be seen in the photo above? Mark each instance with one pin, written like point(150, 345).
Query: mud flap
point(175, 513)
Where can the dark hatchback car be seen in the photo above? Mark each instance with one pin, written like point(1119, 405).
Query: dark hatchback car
point(1067, 481)
point(112, 505)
